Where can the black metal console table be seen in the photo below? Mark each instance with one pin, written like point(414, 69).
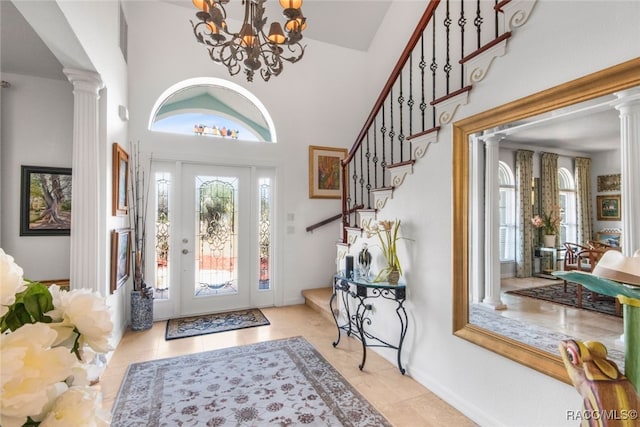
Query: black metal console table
point(362, 292)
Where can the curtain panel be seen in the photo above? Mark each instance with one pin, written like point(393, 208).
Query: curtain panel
point(549, 183)
point(584, 206)
point(524, 244)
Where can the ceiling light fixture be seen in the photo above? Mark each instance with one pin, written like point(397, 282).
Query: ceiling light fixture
point(251, 47)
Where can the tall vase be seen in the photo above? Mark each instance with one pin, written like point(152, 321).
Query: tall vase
point(141, 310)
point(394, 277)
point(550, 240)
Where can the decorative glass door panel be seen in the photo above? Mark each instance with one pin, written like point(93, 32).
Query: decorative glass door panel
point(215, 246)
point(264, 232)
point(216, 239)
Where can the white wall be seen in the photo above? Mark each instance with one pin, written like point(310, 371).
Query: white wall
point(40, 125)
point(562, 41)
point(605, 163)
point(37, 118)
point(325, 104)
point(312, 102)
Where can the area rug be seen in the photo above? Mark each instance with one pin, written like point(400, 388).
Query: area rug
point(555, 293)
point(528, 333)
point(213, 323)
point(284, 382)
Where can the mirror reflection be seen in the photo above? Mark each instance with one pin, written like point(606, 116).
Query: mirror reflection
point(546, 188)
point(537, 188)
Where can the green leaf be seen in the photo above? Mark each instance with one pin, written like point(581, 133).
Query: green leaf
point(38, 303)
point(30, 307)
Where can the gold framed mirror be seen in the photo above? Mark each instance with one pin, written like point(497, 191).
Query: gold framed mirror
point(605, 82)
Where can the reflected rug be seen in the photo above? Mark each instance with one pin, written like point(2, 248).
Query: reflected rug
point(283, 382)
point(528, 333)
point(212, 323)
point(555, 293)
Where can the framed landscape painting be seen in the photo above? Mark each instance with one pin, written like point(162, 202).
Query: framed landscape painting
point(120, 203)
point(45, 201)
point(325, 172)
point(609, 207)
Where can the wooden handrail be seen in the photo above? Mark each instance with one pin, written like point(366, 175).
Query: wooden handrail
point(331, 219)
point(395, 73)
point(404, 57)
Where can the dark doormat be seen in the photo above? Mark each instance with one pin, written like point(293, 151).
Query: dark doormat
point(555, 293)
point(212, 323)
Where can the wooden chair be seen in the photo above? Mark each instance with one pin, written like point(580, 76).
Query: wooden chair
point(571, 259)
point(594, 244)
point(586, 261)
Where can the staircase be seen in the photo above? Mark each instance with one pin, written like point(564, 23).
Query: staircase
point(449, 52)
point(318, 300)
point(451, 49)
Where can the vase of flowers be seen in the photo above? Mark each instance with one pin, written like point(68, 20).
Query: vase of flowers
point(49, 338)
point(387, 233)
point(549, 223)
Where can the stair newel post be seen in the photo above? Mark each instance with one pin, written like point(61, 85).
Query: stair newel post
point(345, 210)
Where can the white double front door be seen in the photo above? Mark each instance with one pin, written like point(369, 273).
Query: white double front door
point(219, 260)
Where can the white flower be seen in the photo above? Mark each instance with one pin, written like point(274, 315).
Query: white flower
point(11, 282)
point(85, 311)
point(77, 407)
point(31, 372)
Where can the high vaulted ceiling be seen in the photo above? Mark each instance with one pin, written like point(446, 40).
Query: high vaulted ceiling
point(347, 23)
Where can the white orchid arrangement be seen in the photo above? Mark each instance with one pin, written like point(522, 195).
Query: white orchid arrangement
point(48, 337)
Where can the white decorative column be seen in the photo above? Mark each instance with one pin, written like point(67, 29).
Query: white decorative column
point(476, 231)
point(629, 106)
point(492, 225)
point(85, 193)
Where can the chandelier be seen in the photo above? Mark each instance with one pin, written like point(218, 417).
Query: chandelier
point(251, 48)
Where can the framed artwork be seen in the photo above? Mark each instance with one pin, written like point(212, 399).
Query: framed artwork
point(120, 257)
point(609, 238)
point(45, 201)
point(609, 182)
point(120, 202)
point(609, 207)
point(325, 172)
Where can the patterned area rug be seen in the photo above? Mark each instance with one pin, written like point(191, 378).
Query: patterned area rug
point(555, 293)
point(284, 382)
point(212, 323)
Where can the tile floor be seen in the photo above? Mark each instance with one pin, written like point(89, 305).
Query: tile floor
point(409, 405)
point(582, 324)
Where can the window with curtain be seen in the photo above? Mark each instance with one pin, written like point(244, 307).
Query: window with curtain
point(568, 211)
point(507, 212)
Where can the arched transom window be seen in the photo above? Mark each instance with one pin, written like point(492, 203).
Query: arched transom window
point(211, 107)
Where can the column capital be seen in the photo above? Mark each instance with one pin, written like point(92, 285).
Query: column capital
point(88, 81)
point(627, 98)
point(492, 139)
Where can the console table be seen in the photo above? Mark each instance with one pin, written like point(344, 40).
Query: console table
point(362, 293)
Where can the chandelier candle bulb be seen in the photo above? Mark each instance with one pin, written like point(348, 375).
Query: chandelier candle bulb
point(252, 49)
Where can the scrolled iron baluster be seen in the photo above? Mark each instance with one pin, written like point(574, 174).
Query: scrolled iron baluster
point(401, 120)
point(447, 66)
point(462, 22)
point(477, 22)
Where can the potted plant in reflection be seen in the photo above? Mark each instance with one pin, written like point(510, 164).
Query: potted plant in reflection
point(549, 223)
point(142, 295)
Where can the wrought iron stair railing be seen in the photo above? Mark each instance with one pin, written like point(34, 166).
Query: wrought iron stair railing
point(431, 69)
